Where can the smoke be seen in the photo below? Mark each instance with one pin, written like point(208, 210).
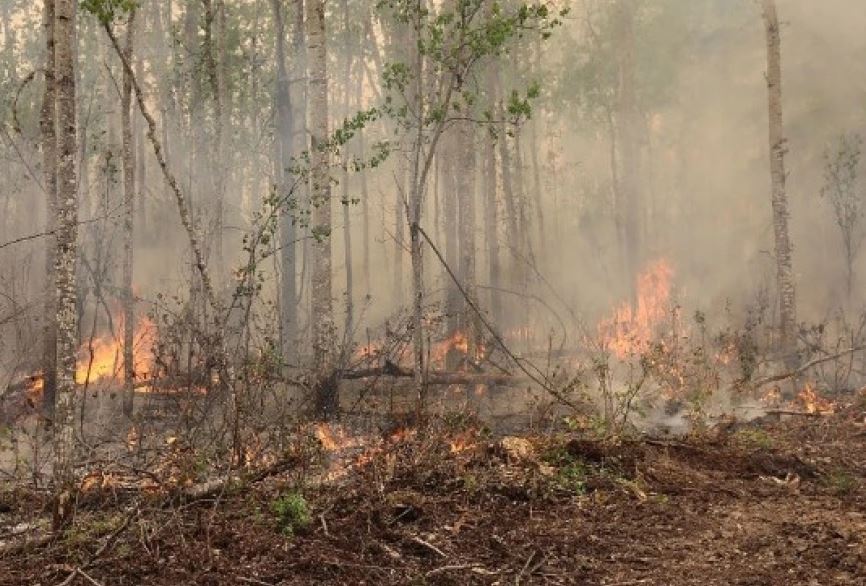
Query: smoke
point(703, 177)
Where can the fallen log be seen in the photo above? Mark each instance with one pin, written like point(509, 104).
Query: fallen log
point(798, 413)
point(438, 377)
point(216, 486)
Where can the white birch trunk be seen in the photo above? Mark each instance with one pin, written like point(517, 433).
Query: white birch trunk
point(65, 257)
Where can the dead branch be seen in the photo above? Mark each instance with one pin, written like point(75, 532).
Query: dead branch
point(797, 413)
point(430, 546)
point(211, 488)
point(171, 180)
point(543, 384)
point(451, 568)
point(437, 377)
point(797, 372)
point(253, 581)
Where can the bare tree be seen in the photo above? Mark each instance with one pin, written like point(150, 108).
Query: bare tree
point(841, 189)
point(784, 269)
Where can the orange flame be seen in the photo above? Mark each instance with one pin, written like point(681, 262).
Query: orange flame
point(368, 351)
point(331, 438)
point(106, 359)
point(457, 342)
point(813, 402)
point(462, 442)
point(630, 329)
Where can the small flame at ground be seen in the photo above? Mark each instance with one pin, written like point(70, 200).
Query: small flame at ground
point(332, 438)
point(368, 351)
point(462, 442)
point(812, 402)
point(457, 342)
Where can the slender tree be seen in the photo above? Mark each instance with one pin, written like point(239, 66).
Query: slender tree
point(449, 44)
point(628, 122)
point(784, 269)
point(128, 222)
point(466, 266)
point(66, 251)
point(491, 208)
point(283, 151)
point(349, 324)
point(847, 198)
point(48, 127)
point(324, 331)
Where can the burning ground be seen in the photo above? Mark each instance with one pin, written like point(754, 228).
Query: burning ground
point(668, 467)
point(769, 502)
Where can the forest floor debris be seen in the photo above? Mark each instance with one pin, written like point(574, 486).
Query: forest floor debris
point(763, 503)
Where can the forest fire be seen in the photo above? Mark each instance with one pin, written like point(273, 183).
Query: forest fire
point(368, 351)
point(457, 342)
point(332, 438)
point(812, 402)
point(462, 442)
point(102, 358)
point(631, 327)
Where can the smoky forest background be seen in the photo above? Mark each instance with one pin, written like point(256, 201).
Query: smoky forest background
point(558, 291)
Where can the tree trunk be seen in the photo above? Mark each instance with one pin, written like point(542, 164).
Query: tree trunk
point(128, 224)
point(469, 323)
point(142, 211)
point(400, 193)
point(451, 168)
point(193, 137)
point(300, 143)
point(511, 216)
point(322, 302)
point(66, 239)
point(628, 123)
point(222, 163)
point(535, 146)
point(349, 325)
point(365, 198)
point(784, 270)
point(491, 213)
point(283, 148)
point(48, 127)
point(418, 175)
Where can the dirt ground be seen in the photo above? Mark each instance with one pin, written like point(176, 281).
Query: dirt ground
point(760, 504)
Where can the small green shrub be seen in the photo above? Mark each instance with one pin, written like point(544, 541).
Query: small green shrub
point(754, 439)
point(293, 512)
point(842, 482)
point(572, 477)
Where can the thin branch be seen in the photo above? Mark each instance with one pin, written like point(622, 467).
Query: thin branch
point(534, 378)
point(804, 368)
point(180, 198)
point(52, 232)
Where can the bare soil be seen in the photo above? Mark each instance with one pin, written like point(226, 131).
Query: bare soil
point(760, 504)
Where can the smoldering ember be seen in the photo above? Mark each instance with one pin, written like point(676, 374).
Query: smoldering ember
point(564, 292)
